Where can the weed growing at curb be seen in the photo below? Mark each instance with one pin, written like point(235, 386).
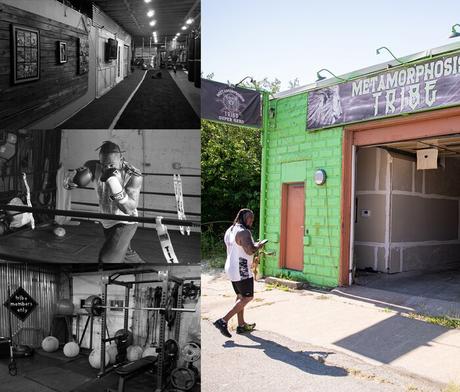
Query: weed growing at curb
point(271, 286)
point(443, 321)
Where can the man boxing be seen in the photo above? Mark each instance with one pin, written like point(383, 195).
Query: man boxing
point(240, 253)
point(118, 186)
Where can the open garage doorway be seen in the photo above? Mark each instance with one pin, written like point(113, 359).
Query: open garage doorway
point(406, 225)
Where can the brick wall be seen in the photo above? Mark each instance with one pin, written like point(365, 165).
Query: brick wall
point(293, 155)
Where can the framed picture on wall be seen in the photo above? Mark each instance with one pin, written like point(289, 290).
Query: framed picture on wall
point(25, 54)
point(83, 55)
point(62, 52)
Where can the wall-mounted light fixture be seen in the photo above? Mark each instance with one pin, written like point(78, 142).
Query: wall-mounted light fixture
point(321, 77)
point(454, 32)
point(320, 177)
point(379, 50)
point(242, 80)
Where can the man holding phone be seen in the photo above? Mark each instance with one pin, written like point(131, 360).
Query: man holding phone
point(238, 267)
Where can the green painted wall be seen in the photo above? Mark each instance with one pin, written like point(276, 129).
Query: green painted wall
point(293, 155)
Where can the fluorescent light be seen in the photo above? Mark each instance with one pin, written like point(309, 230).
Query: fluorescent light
point(150, 13)
point(153, 22)
point(189, 21)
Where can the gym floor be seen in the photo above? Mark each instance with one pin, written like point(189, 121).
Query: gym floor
point(81, 244)
point(164, 103)
point(53, 372)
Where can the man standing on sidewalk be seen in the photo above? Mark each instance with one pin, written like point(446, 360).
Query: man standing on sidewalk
point(240, 253)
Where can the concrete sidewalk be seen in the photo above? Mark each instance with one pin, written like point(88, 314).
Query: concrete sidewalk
point(367, 331)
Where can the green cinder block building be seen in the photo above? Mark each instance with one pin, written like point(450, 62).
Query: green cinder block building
point(345, 185)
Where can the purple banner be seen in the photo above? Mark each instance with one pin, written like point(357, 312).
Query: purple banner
point(233, 105)
point(423, 86)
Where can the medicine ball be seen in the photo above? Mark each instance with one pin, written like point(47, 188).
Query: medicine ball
point(50, 344)
point(95, 358)
point(71, 349)
point(133, 353)
point(149, 351)
point(112, 352)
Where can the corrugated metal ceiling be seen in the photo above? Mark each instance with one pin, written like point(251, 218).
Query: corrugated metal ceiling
point(170, 15)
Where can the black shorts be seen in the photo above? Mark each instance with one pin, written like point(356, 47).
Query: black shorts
point(244, 287)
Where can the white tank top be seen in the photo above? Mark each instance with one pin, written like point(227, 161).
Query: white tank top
point(238, 264)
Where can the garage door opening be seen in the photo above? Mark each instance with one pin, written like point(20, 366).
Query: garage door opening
point(406, 217)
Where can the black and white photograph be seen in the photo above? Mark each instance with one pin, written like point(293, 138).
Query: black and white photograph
point(120, 64)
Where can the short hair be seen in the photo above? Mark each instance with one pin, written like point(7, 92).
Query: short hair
point(109, 147)
point(241, 216)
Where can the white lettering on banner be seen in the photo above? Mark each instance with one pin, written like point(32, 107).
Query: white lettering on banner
point(414, 96)
point(357, 88)
point(390, 99)
point(403, 99)
point(430, 92)
point(376, 103)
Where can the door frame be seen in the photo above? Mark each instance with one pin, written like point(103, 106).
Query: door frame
point(283, 219)
point(442, 122)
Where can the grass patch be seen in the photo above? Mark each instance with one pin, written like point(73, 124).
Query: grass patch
point(452, 387)
point(443, 321)
point(322, 297)
point(278, 286)
point(216, 261)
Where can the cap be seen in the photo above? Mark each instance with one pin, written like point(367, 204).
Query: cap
point(108, 147)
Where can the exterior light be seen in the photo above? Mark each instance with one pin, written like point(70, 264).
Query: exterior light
point(320, 77)
point(379, 50)
point(150, 13)
point(455, 33)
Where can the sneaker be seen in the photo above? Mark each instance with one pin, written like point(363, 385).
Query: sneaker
point(245, 328)
point(222, 326)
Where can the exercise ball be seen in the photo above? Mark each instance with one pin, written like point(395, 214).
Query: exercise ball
point(59, 231)
point(149, 351)
point(71, 349)
point(133, 353)
point(50, 344)
point(112, 352)
point(129, 338)
point(95, 358)
point(64, 307)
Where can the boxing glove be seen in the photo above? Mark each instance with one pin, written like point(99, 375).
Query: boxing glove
point(82, 178)
point(113, 180)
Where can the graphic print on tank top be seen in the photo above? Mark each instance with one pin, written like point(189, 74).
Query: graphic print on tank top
point(244, 269)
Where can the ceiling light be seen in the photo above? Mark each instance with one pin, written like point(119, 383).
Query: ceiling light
point(189, 21)
point(147, 1)
point(150, 13)
point(184, 27)
point(153, 22)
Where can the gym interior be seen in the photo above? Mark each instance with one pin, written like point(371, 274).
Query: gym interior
point(168, 159)
point(73, 328)
point(100, 64)
point(406, 218)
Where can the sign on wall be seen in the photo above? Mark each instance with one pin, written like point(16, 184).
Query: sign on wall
point(25, 54)
point(21, 304)
point(233, 105)
point(421, 86)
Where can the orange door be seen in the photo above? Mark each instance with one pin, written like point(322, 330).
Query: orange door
point(292, 230)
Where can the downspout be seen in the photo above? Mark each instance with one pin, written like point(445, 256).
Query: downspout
point(263, 173)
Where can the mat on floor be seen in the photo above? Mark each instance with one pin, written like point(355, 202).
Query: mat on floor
point(58, 379)
point(21, 384)
point(82, 243)
point(100, 113)
point(158, 104)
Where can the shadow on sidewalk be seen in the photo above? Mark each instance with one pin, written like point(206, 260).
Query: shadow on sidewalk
point(302, 360)
point(391, 338)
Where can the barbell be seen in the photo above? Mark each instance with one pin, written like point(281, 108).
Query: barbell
point(93, 305)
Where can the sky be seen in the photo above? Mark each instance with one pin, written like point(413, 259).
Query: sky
point(288, 39)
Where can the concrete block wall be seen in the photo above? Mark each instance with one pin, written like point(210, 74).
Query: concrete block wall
point(293, 155)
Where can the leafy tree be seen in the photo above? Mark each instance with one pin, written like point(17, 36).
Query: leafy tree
point(230, 164)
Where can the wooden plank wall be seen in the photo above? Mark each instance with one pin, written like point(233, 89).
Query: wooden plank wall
point(59, 84)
